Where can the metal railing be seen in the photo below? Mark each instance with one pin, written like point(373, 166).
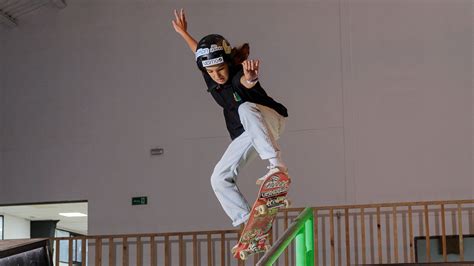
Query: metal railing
point(301, 230)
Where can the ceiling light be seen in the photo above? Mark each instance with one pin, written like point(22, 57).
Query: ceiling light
point(73, 214)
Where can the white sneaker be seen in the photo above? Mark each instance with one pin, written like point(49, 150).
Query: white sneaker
point(272, 169)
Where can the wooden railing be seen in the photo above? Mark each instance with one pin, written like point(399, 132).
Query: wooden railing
point(386, 233)
point(344, 235)
point(148, 249)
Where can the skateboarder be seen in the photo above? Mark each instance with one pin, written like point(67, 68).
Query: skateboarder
point(253, 119)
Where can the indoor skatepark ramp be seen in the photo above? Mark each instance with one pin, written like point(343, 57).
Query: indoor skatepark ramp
point(25, 252)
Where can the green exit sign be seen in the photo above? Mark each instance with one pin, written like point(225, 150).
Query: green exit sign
point(139, 200)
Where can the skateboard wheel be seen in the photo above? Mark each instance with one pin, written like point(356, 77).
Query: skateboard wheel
point(243, 255)
point(262, 210)
point(287, 203)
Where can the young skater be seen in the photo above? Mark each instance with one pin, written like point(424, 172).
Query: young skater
point(253, 119)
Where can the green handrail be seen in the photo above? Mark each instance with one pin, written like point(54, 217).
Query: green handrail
point(301, 230)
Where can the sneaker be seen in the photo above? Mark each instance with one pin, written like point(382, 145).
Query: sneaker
point(272, 169)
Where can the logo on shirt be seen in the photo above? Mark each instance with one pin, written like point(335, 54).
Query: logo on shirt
point(237, 97)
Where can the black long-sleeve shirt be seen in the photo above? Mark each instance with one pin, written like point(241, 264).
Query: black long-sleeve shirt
point(232, 94)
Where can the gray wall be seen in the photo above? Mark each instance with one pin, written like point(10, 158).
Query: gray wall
point(472, 86)
point(2, 100)
point(379, 95)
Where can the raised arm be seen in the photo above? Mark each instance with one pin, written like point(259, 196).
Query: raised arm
point(180, 25)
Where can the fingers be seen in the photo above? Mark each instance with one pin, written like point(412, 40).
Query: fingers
point(176, 20)
point(176, 15)
point(180, 17)
point(256, 65)
point(250, 68)
point(251, 65)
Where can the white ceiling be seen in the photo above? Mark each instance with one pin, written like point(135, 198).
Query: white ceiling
point(51, 212)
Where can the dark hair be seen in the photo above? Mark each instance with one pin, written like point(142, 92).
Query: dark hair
point(240, 54)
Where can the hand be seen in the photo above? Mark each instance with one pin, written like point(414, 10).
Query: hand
point(251, 69)
point(179, 23)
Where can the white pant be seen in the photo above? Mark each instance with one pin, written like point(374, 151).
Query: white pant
point(263, 127)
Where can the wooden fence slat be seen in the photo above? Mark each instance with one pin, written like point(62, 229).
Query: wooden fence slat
point(167, 251)
point(356, 238)
point(323, 240)
point(70, 257)
point(125, 251)
point(139, 251)
point(98, 251)
point(362, 232)
point(372, 239)
point(461, 238)
point(181, 250)
point(209, 250)
point(153, 252)
point(111, 252)
point(427, 233)
point(195, 254)
point(57, 252)
point(331, 237)
point(443, 233)
point(388, 244)
point(83, 250)
point(339, 236)
point(395, 234)
point(348, 240)
point(410, 225)
point(222, 249)
point(379, 235)
point(405, 246)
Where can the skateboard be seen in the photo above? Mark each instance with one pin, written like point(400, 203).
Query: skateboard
point(271, 197)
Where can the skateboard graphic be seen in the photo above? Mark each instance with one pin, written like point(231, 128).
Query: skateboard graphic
point(271, 197)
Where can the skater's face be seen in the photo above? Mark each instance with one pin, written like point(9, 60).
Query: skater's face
point(219, 73)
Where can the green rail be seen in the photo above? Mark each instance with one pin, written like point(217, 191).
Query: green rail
point(301, 230)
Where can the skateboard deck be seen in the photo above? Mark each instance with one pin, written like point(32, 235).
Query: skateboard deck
point(271, 196)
